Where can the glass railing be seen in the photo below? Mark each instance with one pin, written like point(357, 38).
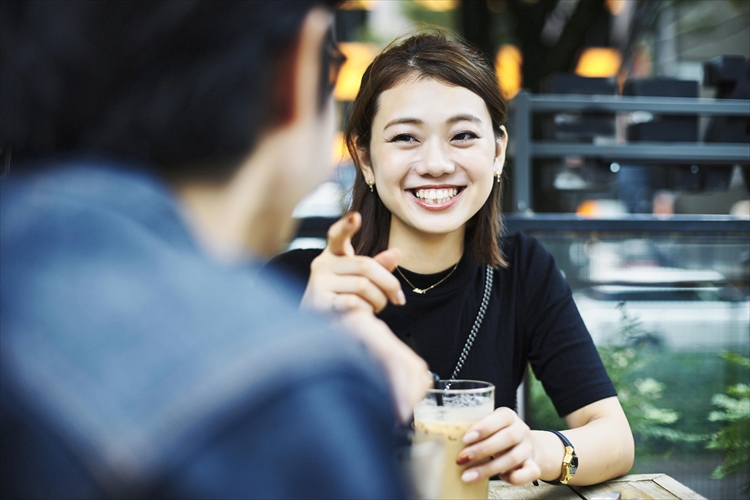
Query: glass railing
point(664, 300)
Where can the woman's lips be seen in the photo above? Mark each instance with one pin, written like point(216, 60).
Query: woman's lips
point(438, 198)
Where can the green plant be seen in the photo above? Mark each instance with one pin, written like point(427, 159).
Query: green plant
point(624, 360)
point(734, 437)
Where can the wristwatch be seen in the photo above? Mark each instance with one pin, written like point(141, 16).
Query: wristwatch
point(569, 463)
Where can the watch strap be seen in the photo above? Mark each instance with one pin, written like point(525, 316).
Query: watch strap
point(570, 460)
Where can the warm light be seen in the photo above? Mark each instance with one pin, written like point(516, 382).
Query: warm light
point(616, 6)
point(588, 208)
point(508, 67)
point(437, 5)
point(599, 62)
point(601, 208)
point(358, 57)
point(339, 153)
point(357, 5)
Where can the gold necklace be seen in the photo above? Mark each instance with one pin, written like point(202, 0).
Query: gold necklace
point(422, 291)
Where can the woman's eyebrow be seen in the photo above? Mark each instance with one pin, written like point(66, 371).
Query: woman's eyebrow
point(399, 121)
point(416, 121)
point(465, 117)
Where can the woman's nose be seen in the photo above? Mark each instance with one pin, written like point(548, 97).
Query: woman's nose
point(435, 160)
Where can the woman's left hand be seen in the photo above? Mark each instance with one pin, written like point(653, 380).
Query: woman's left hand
point(507, 442)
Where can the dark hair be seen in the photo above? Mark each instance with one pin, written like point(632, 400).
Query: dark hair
point(186, 87)
point(424, 55)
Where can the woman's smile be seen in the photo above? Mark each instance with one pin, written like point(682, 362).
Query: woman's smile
point(436, 197)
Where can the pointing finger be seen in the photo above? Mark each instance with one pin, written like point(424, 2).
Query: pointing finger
point(341, 232)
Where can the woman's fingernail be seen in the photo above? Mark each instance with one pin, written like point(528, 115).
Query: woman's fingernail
point(401, 298)
point(350, 218)
point(471, 437)
point(469, 475)
point(464, 459)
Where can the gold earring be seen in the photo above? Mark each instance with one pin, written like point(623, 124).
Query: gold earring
point(497, 176)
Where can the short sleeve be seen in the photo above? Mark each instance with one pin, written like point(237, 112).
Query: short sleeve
point(560, 349)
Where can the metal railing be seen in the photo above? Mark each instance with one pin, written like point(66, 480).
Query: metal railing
point(525, 105)
point(708, 225)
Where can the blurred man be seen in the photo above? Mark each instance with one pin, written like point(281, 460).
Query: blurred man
point(156, 149)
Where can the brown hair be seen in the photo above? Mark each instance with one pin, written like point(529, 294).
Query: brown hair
point(424, 55)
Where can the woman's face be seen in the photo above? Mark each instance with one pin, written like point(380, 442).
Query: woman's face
point(433, 156)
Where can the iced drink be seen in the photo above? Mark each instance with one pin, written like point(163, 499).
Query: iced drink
point(447, 413)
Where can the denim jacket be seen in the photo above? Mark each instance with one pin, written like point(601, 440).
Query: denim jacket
point(133, 365)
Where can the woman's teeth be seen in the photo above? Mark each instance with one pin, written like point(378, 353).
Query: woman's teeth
point(436, 195)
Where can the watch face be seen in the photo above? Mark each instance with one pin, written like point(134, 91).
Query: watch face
point(573, 467)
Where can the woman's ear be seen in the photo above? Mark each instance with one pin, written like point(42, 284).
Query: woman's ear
point(363, 157)
point(501, 146)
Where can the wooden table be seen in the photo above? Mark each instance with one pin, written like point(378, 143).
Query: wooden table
point(635, 486)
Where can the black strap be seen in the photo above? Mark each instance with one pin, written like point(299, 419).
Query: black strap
point(566, 442)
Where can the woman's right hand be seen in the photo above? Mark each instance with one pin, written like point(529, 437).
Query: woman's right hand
point(341, 281)
point(355, 287)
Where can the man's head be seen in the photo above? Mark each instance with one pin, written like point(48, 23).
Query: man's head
point(190, 89)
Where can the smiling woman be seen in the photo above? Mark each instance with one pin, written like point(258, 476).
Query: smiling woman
point(428, 139)
point(433, 166)
point(471, 108)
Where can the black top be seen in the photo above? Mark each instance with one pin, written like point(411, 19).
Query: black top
point(531, 318)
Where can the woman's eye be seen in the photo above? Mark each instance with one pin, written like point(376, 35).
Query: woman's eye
point(464, 136)
point(403, 138)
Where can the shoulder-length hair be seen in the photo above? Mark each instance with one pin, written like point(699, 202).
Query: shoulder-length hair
point(424, 55)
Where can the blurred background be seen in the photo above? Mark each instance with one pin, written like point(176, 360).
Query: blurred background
point(629, 158)
point(666, 48)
